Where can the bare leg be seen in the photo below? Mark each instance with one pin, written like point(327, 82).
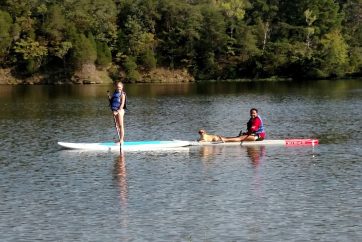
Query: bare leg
point(116, 122)
point(120, 125)
point(239, 138)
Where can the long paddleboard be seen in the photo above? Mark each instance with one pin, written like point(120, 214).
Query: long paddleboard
point(284, 142)
point(154, 145)
point(127, 146)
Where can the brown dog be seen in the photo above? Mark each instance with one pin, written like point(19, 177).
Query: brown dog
point(205, 137)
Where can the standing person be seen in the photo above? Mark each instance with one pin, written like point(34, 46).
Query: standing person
point(118, 106)
point(255, 130)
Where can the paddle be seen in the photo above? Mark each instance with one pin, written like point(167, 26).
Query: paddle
point(114, 118)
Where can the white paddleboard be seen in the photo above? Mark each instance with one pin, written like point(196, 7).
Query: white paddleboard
point(284, 142)
point(127, 146)
point(154, 145)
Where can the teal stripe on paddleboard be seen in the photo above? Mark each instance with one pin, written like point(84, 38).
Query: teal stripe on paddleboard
point(134, 143)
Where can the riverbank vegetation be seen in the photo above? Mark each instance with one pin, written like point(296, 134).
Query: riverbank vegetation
point(99, 40)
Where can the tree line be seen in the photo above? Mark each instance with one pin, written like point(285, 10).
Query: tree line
point(212, 39)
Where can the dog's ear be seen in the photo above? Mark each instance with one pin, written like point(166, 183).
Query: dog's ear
point(201, 131)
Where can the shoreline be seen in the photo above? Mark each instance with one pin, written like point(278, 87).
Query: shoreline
point(90, 75)
point(102, 77)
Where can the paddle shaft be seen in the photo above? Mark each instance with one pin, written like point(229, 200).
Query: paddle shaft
point(114, 117)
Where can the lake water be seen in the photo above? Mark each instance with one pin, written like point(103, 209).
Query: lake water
point(203, 194)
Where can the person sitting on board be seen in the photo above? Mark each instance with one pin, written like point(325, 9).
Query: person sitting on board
point(118, 106)
point(255, 130)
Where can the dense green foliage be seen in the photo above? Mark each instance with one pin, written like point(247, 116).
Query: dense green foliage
point(210, 38)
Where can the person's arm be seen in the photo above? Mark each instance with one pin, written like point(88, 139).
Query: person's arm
point(248, 127)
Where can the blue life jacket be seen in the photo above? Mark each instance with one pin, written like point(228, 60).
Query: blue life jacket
point(115, 101)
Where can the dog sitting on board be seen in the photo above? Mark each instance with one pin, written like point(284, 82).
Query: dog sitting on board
point(205, 137)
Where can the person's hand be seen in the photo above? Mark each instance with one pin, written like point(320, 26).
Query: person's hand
point(115, 112)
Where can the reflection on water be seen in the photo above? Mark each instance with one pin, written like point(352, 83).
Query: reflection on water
point(208, 152)
point(120, 174)
point(210, 193)
point(335, 89)
point(256, 154)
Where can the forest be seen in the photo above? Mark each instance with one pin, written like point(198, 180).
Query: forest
point(211, 39)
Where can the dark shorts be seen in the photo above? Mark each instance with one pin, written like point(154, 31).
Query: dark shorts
point(259, 137)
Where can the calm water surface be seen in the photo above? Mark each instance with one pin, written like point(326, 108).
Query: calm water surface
point(203, 194)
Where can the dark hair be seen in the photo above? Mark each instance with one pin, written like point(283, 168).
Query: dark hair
point(254, 109)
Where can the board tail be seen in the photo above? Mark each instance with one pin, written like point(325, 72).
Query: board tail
point(301, 142)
